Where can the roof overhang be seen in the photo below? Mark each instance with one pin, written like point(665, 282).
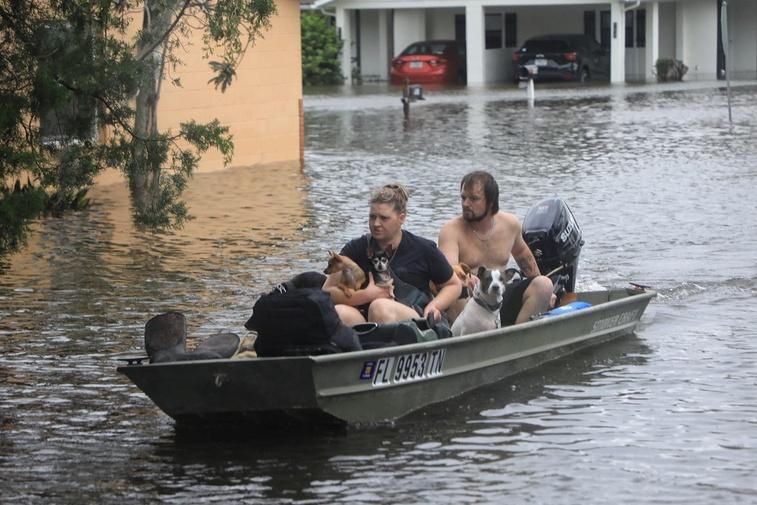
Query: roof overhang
point(431, 4)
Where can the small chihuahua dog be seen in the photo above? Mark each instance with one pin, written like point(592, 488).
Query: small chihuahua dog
point(380, 264)
point(352, 276)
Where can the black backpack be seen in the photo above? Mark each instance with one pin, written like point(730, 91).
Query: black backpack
point(297, 322)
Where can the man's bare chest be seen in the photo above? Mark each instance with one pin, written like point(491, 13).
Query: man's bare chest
point(493, 252)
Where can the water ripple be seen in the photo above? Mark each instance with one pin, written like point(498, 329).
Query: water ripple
point(662, 189)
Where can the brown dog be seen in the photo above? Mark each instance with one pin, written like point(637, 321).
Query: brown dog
point(352, 276)
point(461, 270)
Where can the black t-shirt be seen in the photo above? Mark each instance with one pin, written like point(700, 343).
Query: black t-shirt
point(416, 261)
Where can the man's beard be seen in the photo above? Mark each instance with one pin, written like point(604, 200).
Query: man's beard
point(474, 218)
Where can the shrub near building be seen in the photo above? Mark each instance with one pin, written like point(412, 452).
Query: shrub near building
point(320, 51)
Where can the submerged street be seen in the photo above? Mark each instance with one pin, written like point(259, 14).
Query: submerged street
point(661, 186)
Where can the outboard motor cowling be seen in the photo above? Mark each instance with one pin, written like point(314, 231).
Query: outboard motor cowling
point(553, 235)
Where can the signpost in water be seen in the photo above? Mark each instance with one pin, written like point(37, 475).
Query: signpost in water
point(724, 35)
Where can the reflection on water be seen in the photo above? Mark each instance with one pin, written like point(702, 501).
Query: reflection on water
point(237, 212)
point(662, 188)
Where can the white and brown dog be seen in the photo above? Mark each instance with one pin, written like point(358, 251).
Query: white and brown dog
point(481, 313)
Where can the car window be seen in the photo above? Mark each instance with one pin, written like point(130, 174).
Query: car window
point(594, 45)
point(544, 46)
point(433, 48)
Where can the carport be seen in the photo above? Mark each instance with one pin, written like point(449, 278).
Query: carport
point(636, 33)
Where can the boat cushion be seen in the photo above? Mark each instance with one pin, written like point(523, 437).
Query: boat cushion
point(412, 331)
point(299, 321)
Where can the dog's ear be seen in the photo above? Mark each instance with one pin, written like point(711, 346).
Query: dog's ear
point(480, 271)
point(465, 268)
point(369, 252)
point(333, 259)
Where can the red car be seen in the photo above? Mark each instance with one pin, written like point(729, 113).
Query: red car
point(430, 61)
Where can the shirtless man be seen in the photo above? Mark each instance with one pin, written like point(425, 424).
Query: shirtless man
point(485, 236)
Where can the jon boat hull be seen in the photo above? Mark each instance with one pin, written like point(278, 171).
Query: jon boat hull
point(381, 384)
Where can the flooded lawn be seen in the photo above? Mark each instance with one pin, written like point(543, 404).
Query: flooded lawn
point(663, 190)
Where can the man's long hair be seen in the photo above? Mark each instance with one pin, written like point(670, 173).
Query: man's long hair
point(491, 188)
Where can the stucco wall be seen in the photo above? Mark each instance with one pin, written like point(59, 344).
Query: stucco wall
point(440, 24)
point(370, 64)
point(549, 19)
point(742, 23)
point(667, 30)
point(262, 105)
point(409, 27)
point(699, 38)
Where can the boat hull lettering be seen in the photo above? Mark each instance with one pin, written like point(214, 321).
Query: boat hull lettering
point(616, 320)
point(406, 367)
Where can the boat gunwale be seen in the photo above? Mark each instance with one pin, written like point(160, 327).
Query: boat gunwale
point(423, 346)
point(503, 331)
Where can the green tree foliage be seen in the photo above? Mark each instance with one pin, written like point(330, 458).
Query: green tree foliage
point(69, 70)
point(320, 51)
point(18, 205)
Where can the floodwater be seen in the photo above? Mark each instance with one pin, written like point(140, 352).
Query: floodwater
point(662, 187)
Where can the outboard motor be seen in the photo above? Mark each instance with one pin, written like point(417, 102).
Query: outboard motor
point(553, 235)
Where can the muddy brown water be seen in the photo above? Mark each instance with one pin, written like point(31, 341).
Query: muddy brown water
point(662, 187)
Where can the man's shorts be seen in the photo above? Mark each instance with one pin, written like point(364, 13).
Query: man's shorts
point(512, 300)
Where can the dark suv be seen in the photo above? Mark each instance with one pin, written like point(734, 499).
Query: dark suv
point(570, 57)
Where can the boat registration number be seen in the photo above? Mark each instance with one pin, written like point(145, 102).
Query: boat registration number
point(404, 368)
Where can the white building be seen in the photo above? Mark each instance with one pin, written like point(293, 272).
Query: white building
point(637, 32)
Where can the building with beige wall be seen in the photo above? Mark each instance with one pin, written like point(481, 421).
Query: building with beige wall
point(263, 105)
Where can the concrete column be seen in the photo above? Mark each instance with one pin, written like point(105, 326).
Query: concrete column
point(617, 42)
point(383, 43)
point(679, 32)
point(474, 44)
point(652, 51)
point(344, 28)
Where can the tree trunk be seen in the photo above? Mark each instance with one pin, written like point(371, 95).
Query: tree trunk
point(145, 168)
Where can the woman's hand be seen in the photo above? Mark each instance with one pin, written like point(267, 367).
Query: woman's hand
point(375, 291)
point(432, 309)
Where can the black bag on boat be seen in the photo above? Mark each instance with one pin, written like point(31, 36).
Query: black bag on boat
point(300, 321)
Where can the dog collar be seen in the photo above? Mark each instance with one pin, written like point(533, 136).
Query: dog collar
point(488, 306)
